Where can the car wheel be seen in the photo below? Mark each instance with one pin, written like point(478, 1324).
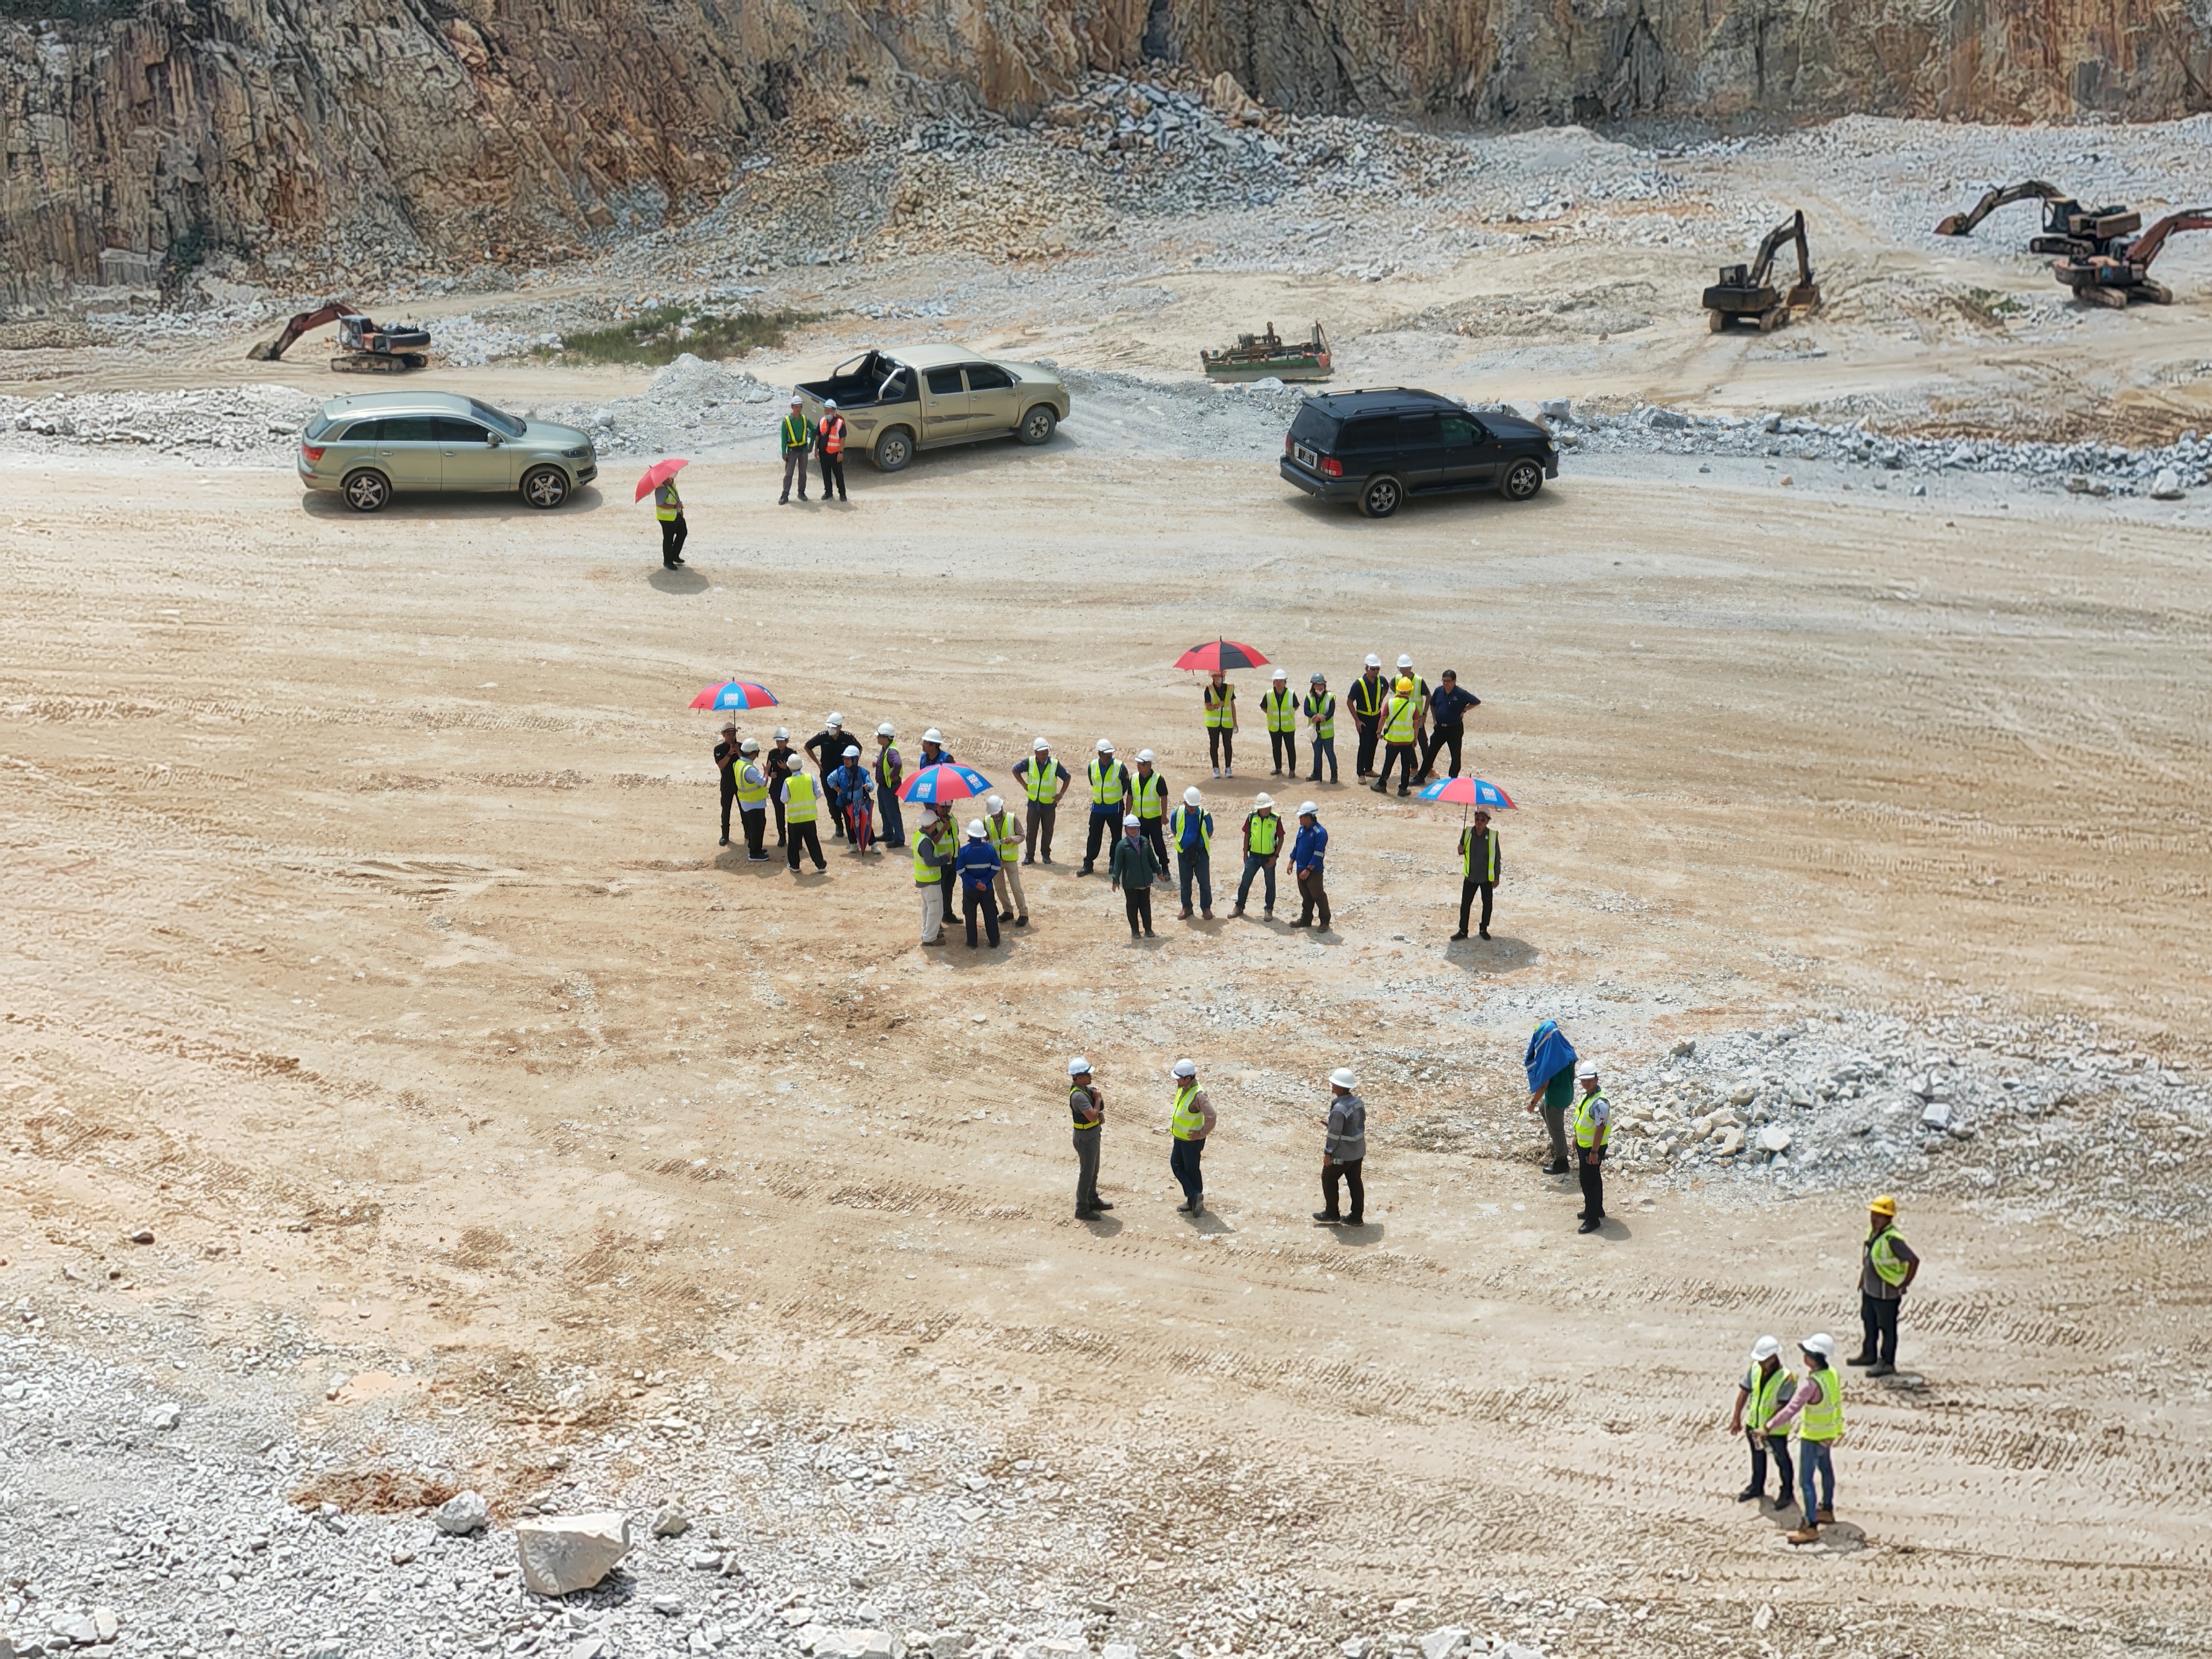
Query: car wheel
point(1523, 480)
point(1381, 496)
point(893, 450)
point(366, 492)
point(1036, 427)
point(545, 486)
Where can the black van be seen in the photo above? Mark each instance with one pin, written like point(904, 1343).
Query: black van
point(1377, 447)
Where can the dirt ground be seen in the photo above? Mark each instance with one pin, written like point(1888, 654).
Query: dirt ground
point(365, 919)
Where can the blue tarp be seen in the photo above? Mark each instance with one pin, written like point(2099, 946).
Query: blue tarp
point(1549, 1053)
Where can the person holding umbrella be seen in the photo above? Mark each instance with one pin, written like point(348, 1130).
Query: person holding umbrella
point(794, 440)
point(725, 770)
point(850, 782)
point(933, 751)
point(1221, 724)
point(668, 507)
point(890, 770)
point(1189, 1121)
point(932, 859)
point(978, 865)
point(1479, 863)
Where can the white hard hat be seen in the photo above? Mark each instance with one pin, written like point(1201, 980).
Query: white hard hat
point(1191, 797)
point(1040, 745)
point(1820, 1343)
point(1078, 1067)
point(932, 736)
point(797, 400)
point(995, 803)
point(1345, 1077)
point(1281, 675)
point(828, 402)
point(1144, 756)
point(1105, 745)
point(1374, 661)
point(1263, 801)
point(1130, 821)
point(782, 733)
point(836, 720)
point(1185, 1068)
point(1404, 661)
point(1765, 1348)
point(885, 731)
point(853, 749)
point(749, 746)
point(1305, 807)
point(975, 829)
point(1588, 1068)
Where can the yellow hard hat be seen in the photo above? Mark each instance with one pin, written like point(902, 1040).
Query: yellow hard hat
point(1884, 1206)
point(1404, 685)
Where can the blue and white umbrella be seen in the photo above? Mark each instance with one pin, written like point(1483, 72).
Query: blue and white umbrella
point(933, 785)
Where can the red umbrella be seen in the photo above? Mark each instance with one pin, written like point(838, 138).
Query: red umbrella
point(657, 475)
point(735, 694)
point(1218, 656)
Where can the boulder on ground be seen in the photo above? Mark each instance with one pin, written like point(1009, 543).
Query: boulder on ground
point(563, 1553)
point(463, 1513)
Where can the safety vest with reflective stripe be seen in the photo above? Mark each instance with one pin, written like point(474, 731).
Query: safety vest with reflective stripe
point(667, 505)
point(1106, 779)
point(1221, 706)
point(1151, 792)
point(1281, 709)
point(1179, 816)
point(1322, 708)
point(1188, 1122)
point(804, 804)
point(752, 788)
point(1077, 1109)
point(1006, 834)
point(888, 771)
point(833, 434)
point(1883, 1248)
point(1824, 1419)
point(1367, 697)
point(794, 433)
point(1767, 1397)
point(1042, 779)
point(1589, 1131)
point(1467, 855)
point(1266, 830)
point(947, 844)
point(1398, 727)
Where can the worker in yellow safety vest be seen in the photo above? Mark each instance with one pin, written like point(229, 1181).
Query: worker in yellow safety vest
point(1366, 700)
point(1263, 846)
point(1281, 709)
point(1814, 1413)
point(1004, 830)
point(752, 799)
point(1189, 1123)
point(1400, 724)
point(802, 806)
point(1320, 709)
point(794, 440)
point(1191, 827)
point(1887, 1268)
point(935, 846)
point(1479, 861)
point(1593, 1127)
point(1044, 780)
point(1109, 789)
point(668, 507)
point(1221, 725)
point(1765, 1386)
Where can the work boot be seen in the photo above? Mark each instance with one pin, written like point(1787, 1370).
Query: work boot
point(1205, 915)
point(1461, 934)
point(1103, 1205)
point(1827, 1517)
point(1484, 932)
point(1806, 1535)
point(1750, 1492)
point(1021, 921)
point(1555, 1167)
point(1882, 1370)
point(1860, 1359)
point(1326, 1215)
point(1185, 915)
point(1588, 1227)
point(1238, 911)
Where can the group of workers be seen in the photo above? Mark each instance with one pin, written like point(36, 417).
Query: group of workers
point(1399, 714)
point(824, 440)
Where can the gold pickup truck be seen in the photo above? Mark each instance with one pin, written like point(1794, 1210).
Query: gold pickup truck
point(915, 398)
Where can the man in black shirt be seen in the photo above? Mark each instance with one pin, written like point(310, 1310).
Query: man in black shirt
point(783, 761)
point(1448, 707)
point(726, 768)
point(828, 748)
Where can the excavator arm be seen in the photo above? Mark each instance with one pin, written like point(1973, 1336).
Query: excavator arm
point(268, 351)
point(2145, 247)
point(1962, 224)
point(1790, 229)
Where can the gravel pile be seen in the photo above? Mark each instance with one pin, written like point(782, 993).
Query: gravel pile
point(256, 425)
point(702, 409)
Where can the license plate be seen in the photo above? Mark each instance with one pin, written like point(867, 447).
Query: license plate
point(1307, 458)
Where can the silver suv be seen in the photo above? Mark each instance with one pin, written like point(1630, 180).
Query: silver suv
point(372, 446)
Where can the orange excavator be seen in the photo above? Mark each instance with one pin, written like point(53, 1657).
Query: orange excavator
point(2069, 228)
point(364, 347)
point(2122, 276)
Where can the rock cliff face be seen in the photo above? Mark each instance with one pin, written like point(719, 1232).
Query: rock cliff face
point(142, 138)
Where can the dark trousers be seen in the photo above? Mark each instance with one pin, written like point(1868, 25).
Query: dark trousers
point(894, 827)
point(1220, 746)
point(775, 800)
point(1199, 867)
point(795, 466)
point(1441, 737)
point(1878, 1319)
point(1468, 890)
point(1106, 827)
point(1331, 1174)
point(1155, 831)
point(833, 472)
point(756, 822)
point(1254, 864)
point(978, 903)
point(807, 836)
point(1312, 895)
point(1283, 747)
point(729, 798)
point(1039, 827)
point(1592, 1172)
point(1404, 755)
point(1182, 1159)
point(1086, 1171)
point(672, 532)
point(1779, 1448)
point(1138, 902)
point(1324, 747)
point(1369, 730)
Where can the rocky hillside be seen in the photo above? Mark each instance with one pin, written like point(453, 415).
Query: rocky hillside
point(140, 140)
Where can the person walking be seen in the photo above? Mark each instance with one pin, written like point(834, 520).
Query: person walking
point(1550, 1061)
point(1044, 780)
point(827, 749)
point(1189, 1123)
point(1109, 792)
point(1479, 862)
point(1263, 845)
point(851, 782)
point(1005, 831)
point(1766, 1387)
point(1221, 725)
point(727, 756)
point(1448, 707)
point(830, 444)
point(1343, 1150)
point(802, 806)
point(932, 852)
point(979, 880)
point(1320, 707)
point(1593, 1129)
point(1813, 1415)
point(1130, 871)
point(1086, 1105)
point(1887, 1268)
point(783, 761)
point(890, 772)
point(1281, 709)
point(1308, 857)
point(752, 799)
point(1192, 827)
point(1400, 726)
point(1369, 696)
point(793, 438)
point(668, 507)
point(1148, 798)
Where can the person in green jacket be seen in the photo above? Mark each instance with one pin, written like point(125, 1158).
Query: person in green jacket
point(796, 440)
point(1131, 870)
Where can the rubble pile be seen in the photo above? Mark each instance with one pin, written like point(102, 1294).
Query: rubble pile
point(256, 423)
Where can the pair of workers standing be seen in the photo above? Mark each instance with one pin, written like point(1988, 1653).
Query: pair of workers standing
point(825, 440)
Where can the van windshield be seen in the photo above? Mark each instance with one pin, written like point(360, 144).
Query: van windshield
point(496, 418)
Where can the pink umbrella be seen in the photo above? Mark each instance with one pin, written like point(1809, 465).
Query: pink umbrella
point(657, 475)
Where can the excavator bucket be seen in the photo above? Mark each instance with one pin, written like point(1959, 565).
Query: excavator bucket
point(1952, 224)
point(1805, 296)
point(264, 351)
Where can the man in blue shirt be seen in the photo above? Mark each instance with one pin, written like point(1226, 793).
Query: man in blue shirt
point(979, 875)
point(1306, 857)
point(1448, 707)
point(1192, 828)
